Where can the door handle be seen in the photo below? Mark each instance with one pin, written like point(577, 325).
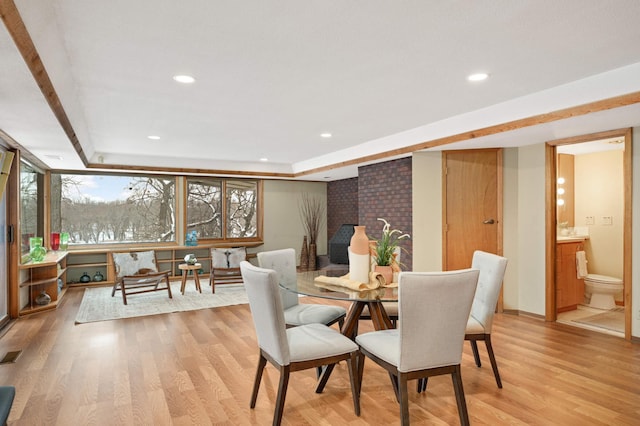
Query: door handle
point(489, 222)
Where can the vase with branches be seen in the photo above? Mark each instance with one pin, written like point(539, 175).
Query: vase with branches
point(312, 215)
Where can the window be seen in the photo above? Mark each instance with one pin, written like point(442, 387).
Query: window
point(31, 205)
point(113, 208)
point(234, 216)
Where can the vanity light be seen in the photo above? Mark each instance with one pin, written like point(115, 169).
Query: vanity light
point(560, 202)
point(560, 180)
point(560, 191)
point(478, 76)
point(186, 79)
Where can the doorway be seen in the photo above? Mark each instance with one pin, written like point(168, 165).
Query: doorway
point(559, 225)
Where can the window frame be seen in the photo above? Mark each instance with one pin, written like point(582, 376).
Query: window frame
point(259, 238)
point(119, 244)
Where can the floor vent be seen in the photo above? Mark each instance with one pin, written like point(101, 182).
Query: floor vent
point(10, 357)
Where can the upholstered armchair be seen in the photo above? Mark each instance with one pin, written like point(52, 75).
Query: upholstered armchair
point(137, 272)
point(225, 266)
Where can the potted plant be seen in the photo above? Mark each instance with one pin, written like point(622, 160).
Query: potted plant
point(384, 252)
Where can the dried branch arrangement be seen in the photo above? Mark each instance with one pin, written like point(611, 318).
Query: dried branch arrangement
point(312, 215)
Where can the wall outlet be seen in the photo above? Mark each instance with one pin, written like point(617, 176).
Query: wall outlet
point(607, 220)
point(590, 220)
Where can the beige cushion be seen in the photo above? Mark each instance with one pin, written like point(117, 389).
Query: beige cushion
point(228, 257)
point(139, 262)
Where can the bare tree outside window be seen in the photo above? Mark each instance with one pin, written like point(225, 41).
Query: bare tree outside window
point(222, 208)
point(99, 209)
point(241, 209)
point(204, 207)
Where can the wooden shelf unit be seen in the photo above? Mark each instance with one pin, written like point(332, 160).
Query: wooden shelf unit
point(39, 276)
point(169, 257)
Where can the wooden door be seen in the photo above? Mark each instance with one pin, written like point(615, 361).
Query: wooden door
point(472, 206)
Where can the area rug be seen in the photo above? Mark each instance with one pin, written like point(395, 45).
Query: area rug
point(98, 305)
point(610, 320)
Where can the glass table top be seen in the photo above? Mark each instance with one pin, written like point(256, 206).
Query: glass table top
point(306, 285)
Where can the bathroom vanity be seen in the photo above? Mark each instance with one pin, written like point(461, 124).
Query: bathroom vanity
point(569, 289)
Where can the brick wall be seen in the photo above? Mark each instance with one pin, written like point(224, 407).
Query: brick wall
point(380, 190)
point(342, 204)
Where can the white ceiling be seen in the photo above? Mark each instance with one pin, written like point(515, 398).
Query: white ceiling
point(272, 75)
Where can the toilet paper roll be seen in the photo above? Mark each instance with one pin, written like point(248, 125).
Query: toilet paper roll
point(358, 267)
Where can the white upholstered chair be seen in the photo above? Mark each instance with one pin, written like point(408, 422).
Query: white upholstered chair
point(492, 268)
point(291, 349)
point(433, 309)
point(284, 263)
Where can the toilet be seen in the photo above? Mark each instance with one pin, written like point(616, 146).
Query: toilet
point(602, 290)
point(598, 289)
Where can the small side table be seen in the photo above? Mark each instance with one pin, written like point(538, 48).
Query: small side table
point(185, 267)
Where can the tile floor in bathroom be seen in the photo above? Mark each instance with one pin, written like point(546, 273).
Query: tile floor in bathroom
point(611, 323)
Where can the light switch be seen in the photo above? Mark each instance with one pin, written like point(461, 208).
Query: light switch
point(590, 220)
point(607, 220)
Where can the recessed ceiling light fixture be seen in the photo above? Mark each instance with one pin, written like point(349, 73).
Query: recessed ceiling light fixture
point(264, 159)
point(480, 76)
point(325, 135)
point(53, 156)
point(186, 79)
point(153, 137)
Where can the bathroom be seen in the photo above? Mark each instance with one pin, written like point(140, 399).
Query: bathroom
point(590, 217)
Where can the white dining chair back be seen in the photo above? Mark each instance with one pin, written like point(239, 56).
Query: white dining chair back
point(432, 310)
point(283, 261)
point(492, 268)
point(267, 313)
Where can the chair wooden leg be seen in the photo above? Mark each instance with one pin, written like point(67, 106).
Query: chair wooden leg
point(324, 378)
point(476, 355)
point(340, 323)
point(169, 287)
point(124, 293)
point(361, 359)
point(403, 397)
point(456, 377)
point(282, 394)
point(355, 381)
point(262, 361)
point(492, 358)
point(422, 384)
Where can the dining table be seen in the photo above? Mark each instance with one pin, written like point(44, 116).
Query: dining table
point(307, 285)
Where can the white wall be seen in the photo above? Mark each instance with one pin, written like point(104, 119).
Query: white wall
point(531, 229)
point(599, 192)
point(427, 211)
point(510, 240)
point(283, 226)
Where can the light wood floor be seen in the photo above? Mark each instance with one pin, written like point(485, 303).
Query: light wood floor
point(197, 368)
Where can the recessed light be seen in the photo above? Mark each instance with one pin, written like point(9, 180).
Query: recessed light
point(264, 159)
point(153, 137)
point(187, 79)
point(53, 157)
point(478, 76)
point(325, 135)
